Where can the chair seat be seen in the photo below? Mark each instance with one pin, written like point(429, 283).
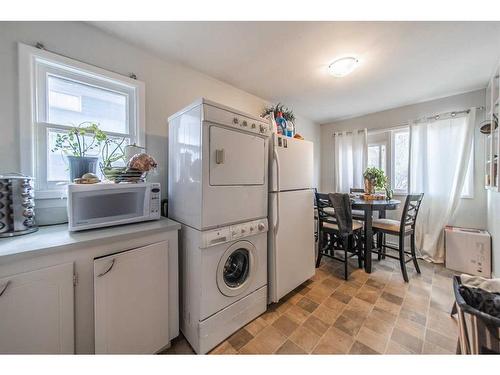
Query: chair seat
point(329, 210)
point(355, 225)
point(358, 214)
point(388, 225)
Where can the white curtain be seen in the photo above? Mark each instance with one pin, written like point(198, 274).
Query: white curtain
point(439, 155)
point(350, 159)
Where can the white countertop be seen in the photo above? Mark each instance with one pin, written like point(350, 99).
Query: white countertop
point(57, 237)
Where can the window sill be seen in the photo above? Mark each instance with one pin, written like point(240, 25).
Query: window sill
point(51, 194)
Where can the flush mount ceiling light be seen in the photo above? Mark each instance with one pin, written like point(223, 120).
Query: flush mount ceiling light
point(342, 67)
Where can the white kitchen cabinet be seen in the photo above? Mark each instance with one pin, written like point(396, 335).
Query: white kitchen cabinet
point(37, 311)
point(131, 301)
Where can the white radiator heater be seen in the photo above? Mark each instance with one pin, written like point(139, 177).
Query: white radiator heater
point(468, 251)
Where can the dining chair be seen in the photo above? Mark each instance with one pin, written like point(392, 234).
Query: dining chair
point(338, 231)
point(402, 229)
point(357, 214)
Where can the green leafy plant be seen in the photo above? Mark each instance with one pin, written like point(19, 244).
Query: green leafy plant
point(376, 176)
point(287, 113)
point(76, 143)
point(112, 151)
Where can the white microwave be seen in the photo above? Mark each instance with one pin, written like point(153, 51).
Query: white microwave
point(104, 205)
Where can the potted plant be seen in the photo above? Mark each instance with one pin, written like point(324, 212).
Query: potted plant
point(285, 111)
point(374, 178)
point(76, 144)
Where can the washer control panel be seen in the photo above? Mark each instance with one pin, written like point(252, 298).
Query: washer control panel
point(234, 232)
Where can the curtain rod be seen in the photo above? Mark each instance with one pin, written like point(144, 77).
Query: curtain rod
point(421, 119)
point(41, 46)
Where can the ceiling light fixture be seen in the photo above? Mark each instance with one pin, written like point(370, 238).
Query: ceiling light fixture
point(344, 66)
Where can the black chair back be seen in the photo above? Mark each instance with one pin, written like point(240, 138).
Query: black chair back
point(343, 212)
point(322, 202)
point(410, 211)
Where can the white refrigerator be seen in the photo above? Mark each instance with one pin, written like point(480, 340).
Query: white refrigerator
point(291, 252)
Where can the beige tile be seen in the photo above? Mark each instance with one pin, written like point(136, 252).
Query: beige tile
point(430, 348)
point(377, 325)
point(375, 283)
point(319, 293)
point(334, 304)
point(331, 283)
point(255, 326)
point(368, 294)
point(372, 339)
point(290, 348)
point(410, 327)
point(240, 338)
point(224, 348)
point(316, 325)
point(307, 304)
point(305, 338)
point(334, 342)
point(391, 298)
point(360, 348)
point(408, 341)
point(383, 315)
point(266, 342)
point(363, 307)
point(270, 316)
point(387, 306)
point(444, 342)
point(297, 314)
point(348, 288)
point(413, 316)
point(348, 325)
point(442, 322)
point(327, 315)
point(285, 325)
point(394, 348)
point(341, 296)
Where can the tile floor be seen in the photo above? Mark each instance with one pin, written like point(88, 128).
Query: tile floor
point(368, 314)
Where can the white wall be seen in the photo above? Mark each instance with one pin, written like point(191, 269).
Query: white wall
point(471, 212)
point(169, 86)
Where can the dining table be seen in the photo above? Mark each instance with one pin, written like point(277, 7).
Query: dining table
point(369, 207)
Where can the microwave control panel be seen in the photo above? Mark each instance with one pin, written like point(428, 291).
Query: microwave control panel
point(155, 200)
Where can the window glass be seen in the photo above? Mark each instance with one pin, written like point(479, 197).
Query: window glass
point(71, 103)
point(401, 158)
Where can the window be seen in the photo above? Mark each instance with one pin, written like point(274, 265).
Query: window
point(400, 160)
point(377, 156)
point(58, 93)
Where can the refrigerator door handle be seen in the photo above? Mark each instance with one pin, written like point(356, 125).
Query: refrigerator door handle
point(276, 158)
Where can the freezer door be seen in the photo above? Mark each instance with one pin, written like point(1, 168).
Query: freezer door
point(292, 159)
point(291, 241)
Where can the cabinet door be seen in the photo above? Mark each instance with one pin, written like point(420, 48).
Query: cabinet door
point(37, 311)
point(131, 301)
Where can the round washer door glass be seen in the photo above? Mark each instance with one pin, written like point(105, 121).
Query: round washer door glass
point(236, 268)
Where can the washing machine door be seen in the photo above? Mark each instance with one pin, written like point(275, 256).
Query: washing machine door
point(237, 268)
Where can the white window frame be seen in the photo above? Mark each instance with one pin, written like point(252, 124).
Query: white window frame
point(34, 66)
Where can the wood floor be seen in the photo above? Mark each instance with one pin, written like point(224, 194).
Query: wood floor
point(368, 314)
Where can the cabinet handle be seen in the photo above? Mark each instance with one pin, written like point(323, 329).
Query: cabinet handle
point(109, 269)
point(4, 288)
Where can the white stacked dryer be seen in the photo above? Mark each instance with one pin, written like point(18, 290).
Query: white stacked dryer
point(218, 189)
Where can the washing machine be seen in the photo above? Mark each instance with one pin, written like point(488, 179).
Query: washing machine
point(217, 166)
point(223, 281)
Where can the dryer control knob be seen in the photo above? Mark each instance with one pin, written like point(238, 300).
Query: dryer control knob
point(243, 230)
point(261, 226)
point(235, 120)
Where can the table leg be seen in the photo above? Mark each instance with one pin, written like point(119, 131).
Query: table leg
point(368, 239)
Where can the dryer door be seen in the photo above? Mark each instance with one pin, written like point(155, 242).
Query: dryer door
point(236, 158)
point(237, 268)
